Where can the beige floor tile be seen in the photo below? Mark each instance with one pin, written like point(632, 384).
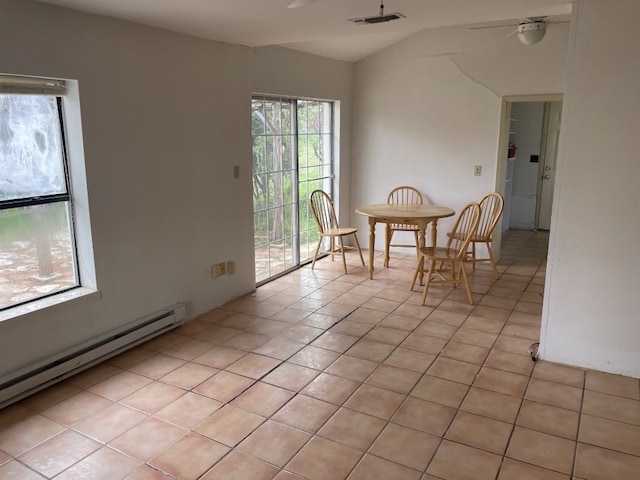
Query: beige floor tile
point(352, 368)
point(58, 453)
point(541, 449)
point(461, 462)
point(613, 384)
point(454, 319)
point(424, 343)
point(611, 407)
point(425, 416)
point(375, 468)
point(480, 432)
point(322, 459)
point(354, 429)
point(314, 357)
point(238, 465)
point(484, 324)
point(610, 434)
point(253, 365)
point(25, 435)
point(548, 419)
point(303, 333)
point(375, 401)
point(515, 470)
point(224, 386)
point(396, 379)
point(475, 337)
point(370, 350)
point(454, 370)
point(229, 425)
point(410, 359)
point(351, 327)
point(262, 399)
point(157, 366)
point(465, 352)
point(391, 336)
point(151, 398)
point(280, 348)
point(109, 423)
point(574, 377)
point(436, 329)
point(405, 446)
point(330, 388)
point(75, 408)
point(189, 410)
point(305, 413)
point(439, 390)
point(247, 341)
point(291, 376)
point(274, 442)
point(200, 451)
point(189, 376)
point(220, 357)
point(145, 472)
point(188, 349)
point(17, 470)
point(501, 381)
point(509, 362)
point(148, 438)
point(596, 462)
point(555, 394)
point(400, 322)
point(491, 404)
point(104, 464)
point(120, 385)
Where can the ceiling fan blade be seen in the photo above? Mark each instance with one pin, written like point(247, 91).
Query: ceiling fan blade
point(300, 3)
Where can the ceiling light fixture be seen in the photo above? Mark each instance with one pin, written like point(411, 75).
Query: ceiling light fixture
point(531, 33)
point(380, 18)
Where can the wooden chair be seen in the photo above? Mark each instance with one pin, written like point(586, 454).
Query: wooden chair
point(325, 216)
point(407, 196)
point(491, 205)
point(454, 254)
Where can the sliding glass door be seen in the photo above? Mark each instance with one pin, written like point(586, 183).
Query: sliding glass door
point(292, 156)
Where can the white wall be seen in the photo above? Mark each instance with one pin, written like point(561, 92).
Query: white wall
point(591, 311)
point(165, 117)
point(428, 109)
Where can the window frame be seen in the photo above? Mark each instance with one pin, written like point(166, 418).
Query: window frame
point(14, 85)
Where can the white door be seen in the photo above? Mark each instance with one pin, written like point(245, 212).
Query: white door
point(550, 136)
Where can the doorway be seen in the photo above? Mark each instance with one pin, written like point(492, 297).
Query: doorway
point(530, 128)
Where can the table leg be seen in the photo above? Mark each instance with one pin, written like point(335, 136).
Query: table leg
point(434, 232)
point(372, 244)
point(422, 233)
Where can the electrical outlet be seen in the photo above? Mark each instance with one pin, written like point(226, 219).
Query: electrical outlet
point(231, 268)
point(477, 170)
point(217, 270)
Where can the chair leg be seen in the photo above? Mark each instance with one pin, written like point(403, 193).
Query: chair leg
point(344, 260)
point(388, 233)
point(355, 237)
point(473, 254)
point(432, 266)
point(466, 283)
point(492, 259)
point(415, 234)
point(315, 256)
point(419, 268)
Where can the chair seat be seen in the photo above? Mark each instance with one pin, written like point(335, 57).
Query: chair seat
point(439, 253)
point(340, 231)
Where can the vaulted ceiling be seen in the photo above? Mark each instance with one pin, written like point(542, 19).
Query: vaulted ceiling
point(320, 28)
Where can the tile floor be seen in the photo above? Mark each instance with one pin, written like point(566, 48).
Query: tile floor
point(319, 375)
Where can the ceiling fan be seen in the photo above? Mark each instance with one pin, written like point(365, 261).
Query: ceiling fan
point(529, 30)
point(380, 18)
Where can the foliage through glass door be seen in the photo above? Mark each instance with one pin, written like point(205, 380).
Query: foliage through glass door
point(292, 156)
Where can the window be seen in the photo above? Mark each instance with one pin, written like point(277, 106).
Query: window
point(292, 156)
point(37, 248)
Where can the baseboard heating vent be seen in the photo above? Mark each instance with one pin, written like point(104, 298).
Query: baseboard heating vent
point(37, 377)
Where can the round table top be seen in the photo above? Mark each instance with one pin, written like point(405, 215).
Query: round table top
point(388, 210)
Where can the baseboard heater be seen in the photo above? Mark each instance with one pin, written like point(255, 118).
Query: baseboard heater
point(68, 363)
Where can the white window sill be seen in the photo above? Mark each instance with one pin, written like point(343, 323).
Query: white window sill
point(38, 306)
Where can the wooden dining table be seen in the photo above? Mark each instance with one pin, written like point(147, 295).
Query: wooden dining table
point(420, 215)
